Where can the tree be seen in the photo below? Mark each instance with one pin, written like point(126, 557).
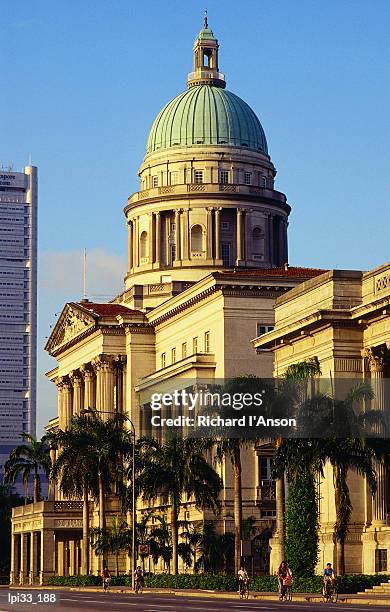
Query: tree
point(302, 525)
point(230, 448)
point(112, 540)
point(27, 459)
point(176, 468)
point(298, 528)
point(76, 470)
point(110, 445)
point(8, 500)
point(340, 440)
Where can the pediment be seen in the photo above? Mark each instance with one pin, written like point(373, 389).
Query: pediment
point(72, 323)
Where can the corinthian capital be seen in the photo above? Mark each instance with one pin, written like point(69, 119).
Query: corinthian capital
point(103, 363)
point(378, 357)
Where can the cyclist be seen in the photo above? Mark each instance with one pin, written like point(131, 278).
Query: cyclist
point(243, 579)
point(138, 579)
point(106, 578)
point(284, 578)
point(329, 577)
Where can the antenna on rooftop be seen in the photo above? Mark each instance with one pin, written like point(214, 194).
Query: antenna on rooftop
point(85, 276)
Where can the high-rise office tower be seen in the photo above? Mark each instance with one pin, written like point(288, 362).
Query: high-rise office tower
point(18, 307)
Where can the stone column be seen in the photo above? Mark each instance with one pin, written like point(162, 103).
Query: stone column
point(135, 243)
point(72, 555)
point(33, 557)
point(217, 233)
point(151, 238)
point(105, 375)
point(61, 557)
point(77, 382)
point(47, 555)
point(186, 234)
point(158, 239)
point(60, 402)
point(67, 400)
point(23, 578)
point(378, 359)
point(239, 236)
point(271, 239)
point(177, 234)
point(119, 388)
point(89, 386)
point(209, 233)
point(129, 245)
point(15, 558)
point(52, 484)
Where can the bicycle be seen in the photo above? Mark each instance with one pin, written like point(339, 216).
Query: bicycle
point(139, 587)
point(330, 593)
point(106, 584)
point(244, 589)
point(285, 592)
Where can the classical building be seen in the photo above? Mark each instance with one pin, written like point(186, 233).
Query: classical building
point(18, 303)
point(207, 257)
point(342, 317)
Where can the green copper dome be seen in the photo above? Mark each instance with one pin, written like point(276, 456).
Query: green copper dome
point(206, 115)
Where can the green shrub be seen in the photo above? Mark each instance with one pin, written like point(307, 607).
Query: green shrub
point(75, 581)
point(226, 582)
point(354, 583)
point(302, 525)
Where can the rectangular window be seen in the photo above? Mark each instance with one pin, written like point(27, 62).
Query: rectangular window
point(184, 350)
point(263, 329)
point(195, 345)
point(265, 465)
point(224, 177)
point(247, 178)
point(198, 176)
point(381, 560)
point(154, 181)
point(225, 252)
point(207, 342)
point(173, 355)
point(174, 178)
point(163, 360)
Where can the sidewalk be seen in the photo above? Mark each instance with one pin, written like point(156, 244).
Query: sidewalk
point(379, 599)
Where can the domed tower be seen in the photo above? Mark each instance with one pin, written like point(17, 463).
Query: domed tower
point(207, 200)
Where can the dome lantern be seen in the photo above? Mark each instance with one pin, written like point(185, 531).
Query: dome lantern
point(206, 70)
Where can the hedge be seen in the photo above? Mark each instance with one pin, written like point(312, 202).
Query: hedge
point(223, 582)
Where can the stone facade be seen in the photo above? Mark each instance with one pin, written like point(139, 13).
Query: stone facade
point(342, 318)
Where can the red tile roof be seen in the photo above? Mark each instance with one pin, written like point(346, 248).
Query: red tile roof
point(282, 271)
point(108, 310)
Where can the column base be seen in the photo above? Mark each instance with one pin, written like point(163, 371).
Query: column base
point(277, 554)
point(44, 577)
point(240, 262)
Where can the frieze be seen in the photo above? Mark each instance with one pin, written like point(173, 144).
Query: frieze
point(68, 523)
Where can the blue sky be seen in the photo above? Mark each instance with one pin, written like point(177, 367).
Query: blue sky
point(83, 81)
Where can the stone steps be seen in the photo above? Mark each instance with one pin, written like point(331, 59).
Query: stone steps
point(383, 587)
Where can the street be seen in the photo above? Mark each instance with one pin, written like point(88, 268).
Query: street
point(116, 602)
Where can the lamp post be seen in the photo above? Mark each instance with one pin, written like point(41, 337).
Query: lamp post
point(134, 518)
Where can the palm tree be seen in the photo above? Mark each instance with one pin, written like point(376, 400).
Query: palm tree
point(27, 459)
point(110, 444)
point(175, 468)
point(160, 541)
point(76, 469)
point(230, 448)
point(210, 550)
point(297, 373)
point(112, 540)
point(353, 451)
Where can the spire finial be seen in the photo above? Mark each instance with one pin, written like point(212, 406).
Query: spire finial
point(205, 22)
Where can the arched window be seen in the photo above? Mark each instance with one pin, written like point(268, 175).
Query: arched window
point(196, 239)
point(257, 240)
point(143, 242)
